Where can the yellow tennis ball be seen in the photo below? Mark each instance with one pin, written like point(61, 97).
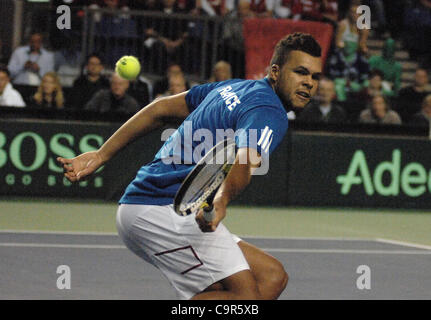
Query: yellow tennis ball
point(128, 67)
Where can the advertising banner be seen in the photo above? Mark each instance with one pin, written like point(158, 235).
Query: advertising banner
point(261, 36)
point(28, 152)
point(342, 170)
point(307, 169)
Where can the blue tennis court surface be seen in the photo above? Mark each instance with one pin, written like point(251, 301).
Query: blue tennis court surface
point(102, 268)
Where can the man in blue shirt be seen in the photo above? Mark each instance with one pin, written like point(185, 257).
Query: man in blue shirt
point(28, 64)
point(204, 260)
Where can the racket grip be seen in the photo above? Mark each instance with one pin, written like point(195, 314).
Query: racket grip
point(209, 213)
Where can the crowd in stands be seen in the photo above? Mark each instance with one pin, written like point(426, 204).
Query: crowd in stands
point(358, 87)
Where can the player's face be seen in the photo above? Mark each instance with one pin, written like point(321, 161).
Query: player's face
point(297, 80)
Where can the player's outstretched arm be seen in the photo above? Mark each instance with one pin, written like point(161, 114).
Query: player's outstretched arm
point(246, 161)
point(81, 166)
point(147, 119)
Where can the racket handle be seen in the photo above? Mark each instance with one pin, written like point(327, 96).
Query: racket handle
point(209, 213)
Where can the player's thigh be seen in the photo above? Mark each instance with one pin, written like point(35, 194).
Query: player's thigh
point(262, 264)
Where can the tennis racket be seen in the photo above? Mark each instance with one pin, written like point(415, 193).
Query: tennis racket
point(200, 186)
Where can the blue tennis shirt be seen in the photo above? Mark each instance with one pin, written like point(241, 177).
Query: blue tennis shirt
point(247, 110)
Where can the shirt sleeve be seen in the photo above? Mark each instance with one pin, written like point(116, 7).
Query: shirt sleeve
point(261, 128)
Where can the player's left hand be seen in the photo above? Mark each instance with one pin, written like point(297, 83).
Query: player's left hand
point(219, 214)
point(82, 166)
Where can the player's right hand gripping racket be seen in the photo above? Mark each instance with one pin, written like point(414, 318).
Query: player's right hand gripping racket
point(200, 186)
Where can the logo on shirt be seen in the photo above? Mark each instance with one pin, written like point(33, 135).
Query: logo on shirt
point(230, 98)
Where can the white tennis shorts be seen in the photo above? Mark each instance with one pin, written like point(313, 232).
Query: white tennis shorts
point(191, 259)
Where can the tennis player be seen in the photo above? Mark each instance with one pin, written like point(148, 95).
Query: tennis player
point(203, 260)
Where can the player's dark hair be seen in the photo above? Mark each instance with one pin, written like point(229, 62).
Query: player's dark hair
point(296, 41)
point(3, 68)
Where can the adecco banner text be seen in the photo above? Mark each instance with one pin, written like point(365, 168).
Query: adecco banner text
point(341, 170)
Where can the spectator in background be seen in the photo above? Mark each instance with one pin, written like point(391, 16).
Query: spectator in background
point(164, 44)
point(8, 95)
point(115, 99)
point(222, 71)
point(379, 112)
point(320, 10)
point(49, 94)
point(365, 90)
point(252, 8)
point(141, 90)
point(177, 84)
point(323, 108)
point(161, 86)
point(359, 97)
point(232, 31)
point(423, 118)
point(375, 86)
point(90, 82)
point(388, 65)
point(348, 65)
point(287, 9)
point(261, 8)
point(348, 37)
point(410, 98)
point(29, 63)
point(108, 4)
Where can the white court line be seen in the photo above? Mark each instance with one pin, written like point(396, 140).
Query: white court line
point(381, 240)
point(279, 250)
point(403, 243)
point(241, 236)
point(56, 245)
point(77, 233)
point(305, 238)
point(349, 251)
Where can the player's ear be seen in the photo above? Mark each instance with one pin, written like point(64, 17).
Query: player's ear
point(274, 72)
